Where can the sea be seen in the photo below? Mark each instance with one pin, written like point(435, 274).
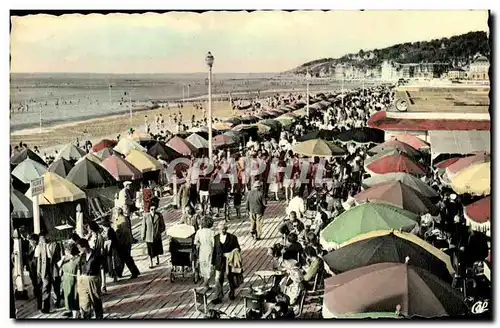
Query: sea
point(58, 98)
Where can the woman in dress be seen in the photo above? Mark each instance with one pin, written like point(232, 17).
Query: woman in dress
point(69, 268)
point(204, 241)
point(151, 231)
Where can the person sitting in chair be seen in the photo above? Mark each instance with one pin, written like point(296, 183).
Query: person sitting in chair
point(292, 225)
point(315, 267)
point(294, 250)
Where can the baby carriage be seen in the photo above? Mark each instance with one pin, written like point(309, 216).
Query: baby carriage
point(218, 194)
point(182, 250)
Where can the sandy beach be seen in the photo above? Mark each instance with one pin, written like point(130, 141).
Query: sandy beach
point(108, 127)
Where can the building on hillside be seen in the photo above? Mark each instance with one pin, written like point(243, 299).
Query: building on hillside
point(456, 73)
point(388, 71)
point(422, 70)
point(478, 69)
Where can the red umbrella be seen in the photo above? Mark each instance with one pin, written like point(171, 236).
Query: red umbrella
point(104, 143)
point(462, 163)
point(400, 195)
point(411, 140)
point(395, 163)
point(478, 215)
point(447, 162)
point(121, 169)
point(181, 146)
point(223, 140)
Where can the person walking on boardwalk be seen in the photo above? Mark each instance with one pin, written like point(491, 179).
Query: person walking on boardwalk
point(152, 228)
point(224, 244)
point(125, 240)
point(69, 266)
point(256, 205)
point(89, 281)
point(204, 241)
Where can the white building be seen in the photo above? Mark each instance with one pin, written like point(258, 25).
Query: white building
point(388, 71)
point(478, 70)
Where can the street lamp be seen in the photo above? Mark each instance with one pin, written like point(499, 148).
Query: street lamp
point(209, 60)
point(308, 78)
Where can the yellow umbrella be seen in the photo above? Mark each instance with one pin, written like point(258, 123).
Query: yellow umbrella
point(140, 136)
point(318, 147)
point(300, 112)
point(91, 157)
point(411, 238)
point(221, 126)
point(58, 190)
point(126, 145)
point(262, 128)
point(285, 120)
point(474, 180)
point(143, 162)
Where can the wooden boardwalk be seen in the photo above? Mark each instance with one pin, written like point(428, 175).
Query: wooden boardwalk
point(153, 296)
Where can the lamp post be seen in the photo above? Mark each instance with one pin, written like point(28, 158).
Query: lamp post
point(308, 78)
point(209, 60)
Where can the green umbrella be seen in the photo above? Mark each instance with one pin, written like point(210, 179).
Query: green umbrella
point(365, 218)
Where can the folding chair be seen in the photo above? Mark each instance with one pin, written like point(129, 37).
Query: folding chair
point(251, 304)
point(200, 300)
point(99, 207)
point(302, 300)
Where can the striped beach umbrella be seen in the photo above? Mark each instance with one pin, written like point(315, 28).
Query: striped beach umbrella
point(58, 190)
point(29, 170)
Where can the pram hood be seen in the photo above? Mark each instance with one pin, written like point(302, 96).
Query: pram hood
point(181, 230)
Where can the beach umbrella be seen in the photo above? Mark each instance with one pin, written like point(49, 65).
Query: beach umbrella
point(103, 144)
point(126, 145)
point(466, 162)
point(232, 121)
point(106, 152)
point(365, 218)
point(263, 116)
point(140, 136)
point(58, 190)
point(241, 127)
point(24, 154)
point(388, 247)
point(222, 126)
point(23, 206)
point(397, 145)
point(317, 134)
point(285, 121)
point(249, 119)
point(143, 162)
point(87, 174)
point(362, 135)
point(398, 194)
point(292, 115)
point(197, 141)
point(29, 170)
point(61, 167)
point(407, 179)
point(160, 149)
point(445, 258)
point(390, 290)
point(181, 146)
point(120, 169)
point(273, 112)
point(411, 140)
point(478, 214)
point(474, 180)
point(224, 140)
point(181, 231)
point(71, 152)
point(318, 147)
point(273, 124)
point(378, 156)
point(201, 129)
point(262, 129)
point(91, 157)
point(395, 163)
point(18, 184)
point(447, 162)
point(301, 112)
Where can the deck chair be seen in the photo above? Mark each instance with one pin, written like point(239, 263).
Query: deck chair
point(100, 207)
point(301, 302)
point(200, 301)
point(251, 304)
point(94, 212)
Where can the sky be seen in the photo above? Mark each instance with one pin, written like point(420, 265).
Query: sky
point(241, 42)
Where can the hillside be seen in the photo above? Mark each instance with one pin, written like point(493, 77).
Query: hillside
point(457, 51)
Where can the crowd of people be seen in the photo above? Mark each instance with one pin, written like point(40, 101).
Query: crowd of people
point(260, 172)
